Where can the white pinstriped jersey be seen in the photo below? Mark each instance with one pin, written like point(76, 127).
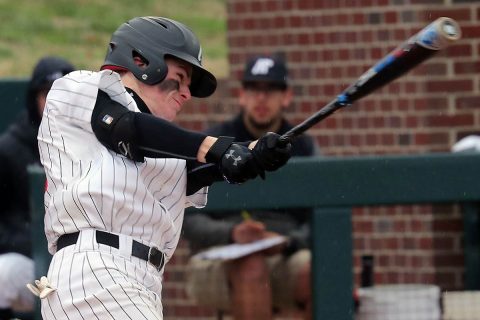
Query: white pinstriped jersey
point(90, 186)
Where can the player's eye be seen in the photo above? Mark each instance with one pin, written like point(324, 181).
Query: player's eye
point(183, 78)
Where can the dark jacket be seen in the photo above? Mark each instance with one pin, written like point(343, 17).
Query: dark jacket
point(205, 229)
point(18, 149)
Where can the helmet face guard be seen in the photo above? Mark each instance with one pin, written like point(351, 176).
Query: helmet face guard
point(153, 39)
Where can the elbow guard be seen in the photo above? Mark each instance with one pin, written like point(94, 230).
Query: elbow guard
point(114, 127)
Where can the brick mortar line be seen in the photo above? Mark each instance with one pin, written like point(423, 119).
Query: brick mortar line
point(361, 9)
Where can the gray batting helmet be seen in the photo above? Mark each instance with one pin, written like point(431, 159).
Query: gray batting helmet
point(154, 38)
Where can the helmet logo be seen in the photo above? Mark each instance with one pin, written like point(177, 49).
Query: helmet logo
point(144, 76)
point(199, 58)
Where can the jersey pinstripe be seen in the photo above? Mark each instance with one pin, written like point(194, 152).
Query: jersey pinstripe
point(90, 186)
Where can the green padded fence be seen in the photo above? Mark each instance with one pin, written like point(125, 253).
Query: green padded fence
point(12, 93)
point(333, 186)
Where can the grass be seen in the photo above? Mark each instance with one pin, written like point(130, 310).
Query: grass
point(80, 30)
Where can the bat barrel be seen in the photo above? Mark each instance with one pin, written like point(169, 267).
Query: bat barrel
point(438, 34)
point(421, 46)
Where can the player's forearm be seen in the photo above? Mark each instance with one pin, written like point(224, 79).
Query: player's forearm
point(157, 137)
point(204, 147)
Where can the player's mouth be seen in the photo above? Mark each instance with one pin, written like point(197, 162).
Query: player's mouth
point(261, 112)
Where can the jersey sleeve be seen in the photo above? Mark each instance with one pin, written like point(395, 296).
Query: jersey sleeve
point(73, 96)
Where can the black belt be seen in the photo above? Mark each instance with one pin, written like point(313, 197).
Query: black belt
point(139, 250)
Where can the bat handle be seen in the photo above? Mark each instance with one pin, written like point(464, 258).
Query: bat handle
point(285, 138)
point(341, 101)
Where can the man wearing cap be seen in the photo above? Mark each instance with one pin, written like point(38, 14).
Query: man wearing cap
point(253, 287)
point(18, 149)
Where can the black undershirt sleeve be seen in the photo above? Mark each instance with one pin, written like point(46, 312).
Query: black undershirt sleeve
point(160, 138)
point(201, 175)
point(149, 135)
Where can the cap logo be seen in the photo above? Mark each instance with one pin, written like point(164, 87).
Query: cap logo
point(262, 66)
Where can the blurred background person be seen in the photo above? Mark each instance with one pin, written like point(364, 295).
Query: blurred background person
point(18, 150)
point(252, 287)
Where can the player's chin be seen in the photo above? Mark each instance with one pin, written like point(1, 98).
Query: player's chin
point(261, 122)
point(173, 109)
point(170, 116)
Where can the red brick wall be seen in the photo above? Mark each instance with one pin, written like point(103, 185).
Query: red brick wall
point(328, 45)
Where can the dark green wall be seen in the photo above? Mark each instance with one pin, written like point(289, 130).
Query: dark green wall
point(12, 93)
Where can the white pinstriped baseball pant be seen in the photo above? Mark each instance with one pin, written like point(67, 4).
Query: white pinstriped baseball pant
point(96, 281)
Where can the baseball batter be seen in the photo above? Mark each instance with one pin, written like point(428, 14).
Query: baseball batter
point(120, 174)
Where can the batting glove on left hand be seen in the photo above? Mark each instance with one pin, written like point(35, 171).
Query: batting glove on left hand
point(271, 153)
point(235, 161)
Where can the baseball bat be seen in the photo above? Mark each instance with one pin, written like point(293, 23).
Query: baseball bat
point(421, 46)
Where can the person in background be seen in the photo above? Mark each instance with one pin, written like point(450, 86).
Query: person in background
point(253, 286)
point(18, 149)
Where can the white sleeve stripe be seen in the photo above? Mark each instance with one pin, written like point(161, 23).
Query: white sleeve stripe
point(56, 89)
point(70, 104)
point(89, 83)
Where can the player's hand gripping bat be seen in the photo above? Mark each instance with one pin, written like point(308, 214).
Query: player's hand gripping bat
point(405, 57)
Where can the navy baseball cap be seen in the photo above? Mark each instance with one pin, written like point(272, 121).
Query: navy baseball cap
point(265, 68)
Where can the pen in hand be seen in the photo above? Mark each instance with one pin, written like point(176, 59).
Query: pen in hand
point(246, 215)
point(248, 229)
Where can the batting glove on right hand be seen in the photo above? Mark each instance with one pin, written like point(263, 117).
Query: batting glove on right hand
point(235, 161)
point(272, 153)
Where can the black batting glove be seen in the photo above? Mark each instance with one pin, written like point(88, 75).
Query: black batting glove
point(238, 165)
point(235, 161)
point(271, 152)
